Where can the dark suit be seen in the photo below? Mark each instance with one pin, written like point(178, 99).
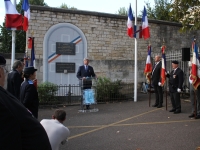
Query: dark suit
point(155, 79)
point(82, 72)
point(14, 82)
point(18, 128)
point(29, 97)
point(175, 81)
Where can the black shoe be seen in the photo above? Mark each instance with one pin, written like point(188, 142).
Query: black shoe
point(197, 117)
point(87, 106)
point(191, 116)
point(172, 110)
point(155, 105)
point(159, 106)
point(177, 112)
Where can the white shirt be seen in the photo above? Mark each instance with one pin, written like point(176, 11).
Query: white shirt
point(56, 132)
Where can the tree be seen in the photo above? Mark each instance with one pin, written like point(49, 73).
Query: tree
point(161, 10)
point(6, 35)
point(6, 45)
point(38, 2)
point(187, 12)
point(123, 11)
point(67, 7)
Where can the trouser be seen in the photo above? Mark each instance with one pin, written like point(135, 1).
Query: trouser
point(175, 100)
point(194, 92)
point(159, 94)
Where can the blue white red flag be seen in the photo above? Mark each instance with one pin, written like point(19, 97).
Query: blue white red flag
point(13, 18)
point(148, 66)
point(26, 8)
point(195, 74)
point(130, 22)
point(32, 63)
point(163, 69)
point(25, 60)
point(137, 31)
point(145, 26)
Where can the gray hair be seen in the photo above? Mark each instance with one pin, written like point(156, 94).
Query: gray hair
point(16, 64)
point(86, 58)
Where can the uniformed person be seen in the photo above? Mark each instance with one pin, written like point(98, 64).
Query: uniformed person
point(175, 87)
point(28, 92)
point(19, 130)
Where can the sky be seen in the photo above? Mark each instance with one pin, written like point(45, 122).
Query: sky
point(105, 6)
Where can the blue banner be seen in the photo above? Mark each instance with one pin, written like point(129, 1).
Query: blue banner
point(89, 96)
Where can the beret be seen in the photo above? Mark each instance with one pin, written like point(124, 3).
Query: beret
point(2, 60)
point(175, 62)
point(29, 70)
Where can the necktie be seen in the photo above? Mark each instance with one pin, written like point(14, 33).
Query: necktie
point(86, 67)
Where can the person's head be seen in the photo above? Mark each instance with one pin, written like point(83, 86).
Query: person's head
point(86, 61)
point(174, 64)
point(59, 115)
point(157, 58)
point(18, 65)
point(3, 70)
point(30, 73)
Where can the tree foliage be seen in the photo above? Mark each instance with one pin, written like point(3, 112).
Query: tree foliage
point(38, 2)
point(122, 11)
point(187, 12)
point(20, 40)
point(161, 10)
point(67, 7)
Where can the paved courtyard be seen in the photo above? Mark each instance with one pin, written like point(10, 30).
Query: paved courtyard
point(130, 125)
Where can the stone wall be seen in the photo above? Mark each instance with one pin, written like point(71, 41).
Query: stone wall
point(110, 49)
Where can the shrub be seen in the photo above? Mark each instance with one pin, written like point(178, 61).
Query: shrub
point(107, 89)
point(47, 92)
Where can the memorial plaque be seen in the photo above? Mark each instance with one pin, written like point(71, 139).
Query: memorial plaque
point(65, 67)
point(65, 48)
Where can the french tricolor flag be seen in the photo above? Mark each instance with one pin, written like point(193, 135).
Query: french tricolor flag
point(130, 23)
point(26, 8)
point(163, 70)
point(145, 26)
point(148, 66)
point(195, 65)
point(13, 18)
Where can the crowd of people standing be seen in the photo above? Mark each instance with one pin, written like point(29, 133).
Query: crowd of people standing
point(19, 127)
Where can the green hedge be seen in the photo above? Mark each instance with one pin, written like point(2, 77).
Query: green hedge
point(47, 92)
point(108, 90)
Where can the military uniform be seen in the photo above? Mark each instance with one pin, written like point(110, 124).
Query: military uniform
point(29, 97)
point(175, 83)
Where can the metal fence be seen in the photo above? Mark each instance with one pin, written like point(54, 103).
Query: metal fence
point(72, 94)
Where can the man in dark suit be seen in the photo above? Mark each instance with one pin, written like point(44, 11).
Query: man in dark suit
point(155, 80)
point(175, 86)
point(15, 79)
point(85, 72)
point(19, 130)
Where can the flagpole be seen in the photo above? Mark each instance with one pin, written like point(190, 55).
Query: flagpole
point(13, 43)
point(135, 80)
point(26, 50)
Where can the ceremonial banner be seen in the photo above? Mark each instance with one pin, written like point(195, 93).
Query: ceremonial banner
point(89, 96)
